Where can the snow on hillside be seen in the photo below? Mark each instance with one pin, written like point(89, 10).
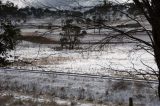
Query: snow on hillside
point(60, 3)
point(55, 3)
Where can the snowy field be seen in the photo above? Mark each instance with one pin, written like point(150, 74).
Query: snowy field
point(82, 90)
point(89, 59)
point(86, 74)
point(118, 57)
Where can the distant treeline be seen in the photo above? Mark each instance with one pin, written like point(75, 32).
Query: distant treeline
point(129, 8)
point(9, 9)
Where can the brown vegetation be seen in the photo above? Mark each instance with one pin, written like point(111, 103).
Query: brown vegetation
point(121, 85)
point(9, 100)
point(38, 39)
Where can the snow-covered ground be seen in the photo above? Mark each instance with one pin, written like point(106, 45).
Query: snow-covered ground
point(95, 90)
point(112, 61)
point(121, 56)
point(118, 57)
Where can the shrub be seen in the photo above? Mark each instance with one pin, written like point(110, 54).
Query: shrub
point(9, 36)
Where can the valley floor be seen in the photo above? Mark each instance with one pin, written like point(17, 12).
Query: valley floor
point(107, 76)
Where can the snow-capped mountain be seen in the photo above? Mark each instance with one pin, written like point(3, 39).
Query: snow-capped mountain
point(55, 3)
point(60, 3)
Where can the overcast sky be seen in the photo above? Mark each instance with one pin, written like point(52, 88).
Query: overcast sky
point(59, 3)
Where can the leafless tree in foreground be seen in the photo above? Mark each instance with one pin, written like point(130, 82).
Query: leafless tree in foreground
point(151, 9)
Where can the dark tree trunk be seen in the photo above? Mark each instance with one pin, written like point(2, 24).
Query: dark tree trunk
point(153, 16)
point(156, 47)
point(155, 22)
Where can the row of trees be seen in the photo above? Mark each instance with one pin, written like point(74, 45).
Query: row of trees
point(44, 12)
point(40, 12)
point(112, 8)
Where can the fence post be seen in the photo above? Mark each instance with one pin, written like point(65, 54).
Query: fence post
point(130, 101)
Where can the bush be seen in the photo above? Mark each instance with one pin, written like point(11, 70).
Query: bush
point(9, 36)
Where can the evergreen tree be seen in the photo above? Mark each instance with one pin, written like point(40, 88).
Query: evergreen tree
point(9, 34)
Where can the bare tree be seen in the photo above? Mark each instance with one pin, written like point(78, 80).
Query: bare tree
point(71, 36)
point(151, 9)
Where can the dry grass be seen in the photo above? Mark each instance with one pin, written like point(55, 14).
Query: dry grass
point(140, 85)
point(121, 85)
point(5, 99)
point(9, 100)
point(38, 39)
point(50, 60)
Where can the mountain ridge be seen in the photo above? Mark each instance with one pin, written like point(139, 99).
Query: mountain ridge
point(61, 4)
